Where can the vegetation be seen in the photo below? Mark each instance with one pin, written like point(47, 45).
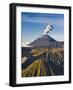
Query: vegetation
point(48, 62)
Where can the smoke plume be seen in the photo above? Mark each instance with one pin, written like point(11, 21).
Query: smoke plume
point(48, 29)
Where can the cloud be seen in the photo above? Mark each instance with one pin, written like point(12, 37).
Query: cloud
point(25, 44)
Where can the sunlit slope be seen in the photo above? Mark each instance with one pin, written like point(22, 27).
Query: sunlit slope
point(48, 62)
point(50, 54)
point(37, 68)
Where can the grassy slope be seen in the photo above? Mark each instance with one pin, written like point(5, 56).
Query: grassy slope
point(37, 68)
point(42, 67)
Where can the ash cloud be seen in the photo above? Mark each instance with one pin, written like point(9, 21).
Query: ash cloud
point(48, 28)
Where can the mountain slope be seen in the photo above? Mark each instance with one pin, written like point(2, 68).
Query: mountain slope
point(42, 68)
point(46, 41)
point(44, 62)
point(47, 61)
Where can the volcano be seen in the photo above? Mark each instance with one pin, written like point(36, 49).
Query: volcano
point(46, 41)
point(44, 58)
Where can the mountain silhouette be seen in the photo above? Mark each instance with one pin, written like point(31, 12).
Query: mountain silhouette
point(46, 41)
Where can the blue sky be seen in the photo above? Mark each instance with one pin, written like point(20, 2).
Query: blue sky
point(33, 25)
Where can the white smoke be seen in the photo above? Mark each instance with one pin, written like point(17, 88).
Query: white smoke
point(48, 29)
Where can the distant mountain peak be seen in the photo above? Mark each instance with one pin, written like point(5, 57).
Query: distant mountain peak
point(46, 41)
point(50, 39)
